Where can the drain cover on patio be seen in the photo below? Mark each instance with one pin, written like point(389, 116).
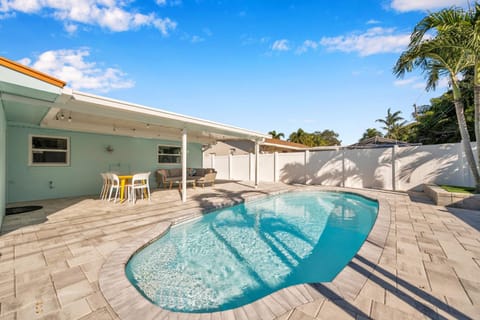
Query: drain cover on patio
point(15, 210)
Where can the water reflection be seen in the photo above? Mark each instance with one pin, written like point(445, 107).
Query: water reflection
point(239, 254)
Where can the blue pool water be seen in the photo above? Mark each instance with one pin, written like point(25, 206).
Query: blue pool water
point(237, 255)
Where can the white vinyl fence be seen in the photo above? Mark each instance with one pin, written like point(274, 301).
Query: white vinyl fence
point(392, 168)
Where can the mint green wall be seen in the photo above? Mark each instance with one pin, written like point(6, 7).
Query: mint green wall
point(3, 141)
point(88, 159)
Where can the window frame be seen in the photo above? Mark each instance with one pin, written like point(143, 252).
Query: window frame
point(47, 164)
point(168, 154)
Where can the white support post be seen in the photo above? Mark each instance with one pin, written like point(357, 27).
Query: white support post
point(184, 165)
point(230, 166)
point(305, 161)
point(251, 176)
point(394, 173)
point(257, 162)
point(343, 167)
point(275, 166)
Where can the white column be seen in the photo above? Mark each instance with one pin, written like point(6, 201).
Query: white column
point(250, 167)
point(184, 165)
point(230, 167)
point(305, 161)
point(257, 162)
point(275, 166)
point(394, 173)
point(343, 167)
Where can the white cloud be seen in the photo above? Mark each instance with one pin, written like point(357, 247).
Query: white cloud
point(419, 83)
point(307, 45)
point(443, 84)
point(114, 15)
point(164, 25)
point(7, 15)
point(197, 39)
point(171, 3)
point(71, 28)
point(415, 5)
point(405, 82)
point(373, 21)
point(373, 41)
point(71, 66)
point(207, 32)
point(25, 61)
point(280, 45)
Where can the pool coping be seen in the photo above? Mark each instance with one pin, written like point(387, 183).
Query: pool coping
point(128, 303)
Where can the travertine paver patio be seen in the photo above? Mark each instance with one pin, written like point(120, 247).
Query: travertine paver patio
point(50, 259)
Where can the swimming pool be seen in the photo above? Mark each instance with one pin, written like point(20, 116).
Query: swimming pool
point(237, 255)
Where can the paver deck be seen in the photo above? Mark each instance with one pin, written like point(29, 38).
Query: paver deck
point(429, 267)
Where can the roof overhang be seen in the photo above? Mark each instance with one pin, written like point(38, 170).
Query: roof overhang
point(33, 98)
point(78, 111)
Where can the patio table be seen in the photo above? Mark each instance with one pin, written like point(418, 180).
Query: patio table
point(189, 180)
point(123, 179)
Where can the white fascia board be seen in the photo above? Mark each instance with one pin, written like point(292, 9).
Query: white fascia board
point(182, 120)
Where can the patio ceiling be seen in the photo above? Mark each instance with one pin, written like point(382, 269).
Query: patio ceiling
point(77, 111)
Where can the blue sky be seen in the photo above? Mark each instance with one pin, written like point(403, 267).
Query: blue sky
point(260, 65)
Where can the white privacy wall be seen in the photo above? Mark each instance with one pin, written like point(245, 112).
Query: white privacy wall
point(238, 165)
point(369, 168)
point(441, 164)
point(398, 168)
point(291, 167)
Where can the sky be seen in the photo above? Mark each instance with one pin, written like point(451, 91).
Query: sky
point(256, 64)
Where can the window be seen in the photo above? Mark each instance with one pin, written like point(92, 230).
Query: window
point(169, 154)
point(49, 151)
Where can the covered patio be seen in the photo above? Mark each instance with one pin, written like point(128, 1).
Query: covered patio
point(56, 141)
point(427, 268)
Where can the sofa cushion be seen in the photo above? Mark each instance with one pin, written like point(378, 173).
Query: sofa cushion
point(175, 172)
point(200, 172)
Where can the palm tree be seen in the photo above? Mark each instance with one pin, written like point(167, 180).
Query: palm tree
point(438, 57)
point(463, 30)
point(391, 124)
point(298, 136)
point(370, 133)
point(276, 135)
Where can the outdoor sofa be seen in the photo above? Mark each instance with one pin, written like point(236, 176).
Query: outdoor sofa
point(201, 176)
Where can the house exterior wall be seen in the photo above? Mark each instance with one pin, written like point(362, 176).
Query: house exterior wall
point(225, 148)
point(88, 158)
point(3, 151)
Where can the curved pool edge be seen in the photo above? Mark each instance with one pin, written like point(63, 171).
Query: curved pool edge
point(128, 303)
